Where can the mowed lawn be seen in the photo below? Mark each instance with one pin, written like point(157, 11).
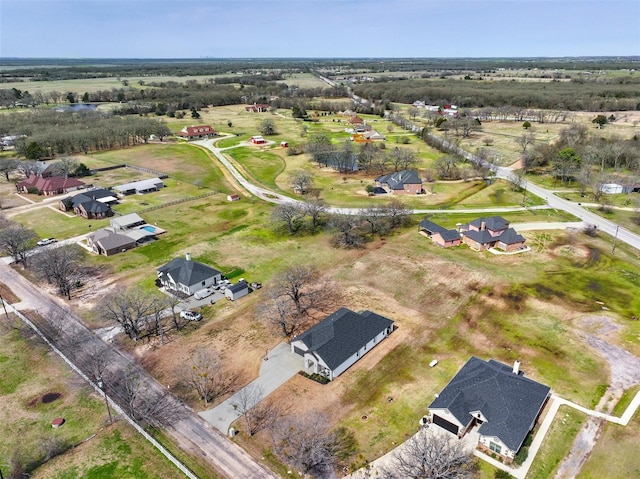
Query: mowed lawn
point(28, 372)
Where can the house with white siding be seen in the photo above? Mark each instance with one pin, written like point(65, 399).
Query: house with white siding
point(341, 339)
point(494, 398)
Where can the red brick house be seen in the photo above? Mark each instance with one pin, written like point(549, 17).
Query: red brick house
point(53, 185)
point(492, 232)
point(201, 131)
point(404, 182)
point(440, 235)
point(356, 120)
point(257, 108)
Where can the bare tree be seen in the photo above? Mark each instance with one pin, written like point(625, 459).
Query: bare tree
point(278, 311)
point(525, 140)
point(27, 167)
point(290, 214)
point(308, 444)
point(66, 166)
point(346, 231)
point(430, 456)
point(203, 373)
point(129, 308)
point(397, 213)
point(315, 209)
point(7, 165)
point(301, 181)
point(142, 403)
point(60, 265)
point(256, 412)
point(402, 159)
point(298, 293)
point(377, 219)
point(15, 241)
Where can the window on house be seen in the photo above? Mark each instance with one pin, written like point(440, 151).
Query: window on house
point(495, 447)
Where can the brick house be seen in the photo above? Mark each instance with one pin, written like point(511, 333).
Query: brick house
point(404, 182)
point(51, 186)
point(201, 131)
point(439, 234)
point(492, 232)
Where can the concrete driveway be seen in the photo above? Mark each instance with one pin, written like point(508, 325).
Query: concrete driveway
point(277, 368)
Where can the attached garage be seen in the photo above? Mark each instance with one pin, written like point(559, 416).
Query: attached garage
point(444, 424)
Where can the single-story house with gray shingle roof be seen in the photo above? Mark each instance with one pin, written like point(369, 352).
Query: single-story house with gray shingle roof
point(404, 182)
point(497, 398)
point(439, 234)
point(108, 242)
point(338, 341)
point(187, 276)
point(492, 232)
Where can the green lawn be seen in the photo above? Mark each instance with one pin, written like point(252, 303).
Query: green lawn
point(28, 371)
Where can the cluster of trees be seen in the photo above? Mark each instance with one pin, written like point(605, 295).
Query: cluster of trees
point(50, 133)
point(575, 96)
point(370, 157)
point(350, 230)
point(590, 161)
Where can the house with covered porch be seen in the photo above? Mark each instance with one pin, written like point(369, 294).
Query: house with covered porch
point(340, 340)
point(494, 398)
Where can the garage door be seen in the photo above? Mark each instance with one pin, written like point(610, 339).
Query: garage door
point(444, 424)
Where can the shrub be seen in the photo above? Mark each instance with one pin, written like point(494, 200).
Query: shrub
point(500, 474)
point(319, 378)
point(522, 455)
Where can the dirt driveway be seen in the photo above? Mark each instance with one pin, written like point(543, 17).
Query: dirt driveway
point(598, 332)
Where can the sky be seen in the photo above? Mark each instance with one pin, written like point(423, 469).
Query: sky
point(318, 28)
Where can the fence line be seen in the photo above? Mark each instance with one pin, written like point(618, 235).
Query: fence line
point(187, 472)
point(176, 202)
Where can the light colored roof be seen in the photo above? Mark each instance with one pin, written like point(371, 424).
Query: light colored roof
point(126, 220)
point(138, 233)
point(107, 199)
point(139, 185)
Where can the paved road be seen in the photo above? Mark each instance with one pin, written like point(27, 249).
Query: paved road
point(189, 430)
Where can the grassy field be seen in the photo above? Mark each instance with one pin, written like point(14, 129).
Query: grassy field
point(557, 443)
point(615, 455)
point(98, 450)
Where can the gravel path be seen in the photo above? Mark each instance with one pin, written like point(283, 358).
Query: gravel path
point(624, 373)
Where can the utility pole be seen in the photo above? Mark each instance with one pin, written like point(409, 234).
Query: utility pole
point(4, 306)
point(615, 237)
point(106, 400)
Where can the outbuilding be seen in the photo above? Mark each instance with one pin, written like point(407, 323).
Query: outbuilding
point(237, 291)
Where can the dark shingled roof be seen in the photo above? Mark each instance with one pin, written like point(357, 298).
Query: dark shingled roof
point(95, 207)
point(187, 272)
point(509, 402)
point(449, 235)
point(239, 286)
point(493, 223)
point(483, 237)
point(397, 180)
point(340, 335)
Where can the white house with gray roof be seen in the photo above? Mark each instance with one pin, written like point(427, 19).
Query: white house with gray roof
point(497, 398)
point(340, 340)
point(187, 276)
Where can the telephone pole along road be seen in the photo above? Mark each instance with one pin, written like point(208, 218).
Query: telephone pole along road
point(189, 430)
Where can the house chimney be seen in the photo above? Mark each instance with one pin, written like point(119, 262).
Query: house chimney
point(516, 367)
point(483, 226)
point(188, 256)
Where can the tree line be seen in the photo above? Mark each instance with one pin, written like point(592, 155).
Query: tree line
point(574, 96)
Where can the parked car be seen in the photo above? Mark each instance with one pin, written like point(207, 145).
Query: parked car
point(190, 315)
point(46, 241)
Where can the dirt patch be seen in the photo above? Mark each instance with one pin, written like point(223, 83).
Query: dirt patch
point(48, 398)
point(599, 332)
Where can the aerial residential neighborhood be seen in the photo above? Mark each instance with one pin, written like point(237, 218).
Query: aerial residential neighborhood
point(317, 249)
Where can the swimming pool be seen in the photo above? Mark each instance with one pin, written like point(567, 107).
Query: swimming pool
point(149, 228)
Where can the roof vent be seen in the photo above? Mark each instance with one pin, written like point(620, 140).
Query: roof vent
point(516, 366)
point(188, 256)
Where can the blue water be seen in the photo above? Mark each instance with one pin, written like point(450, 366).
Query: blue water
point(150, 229)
